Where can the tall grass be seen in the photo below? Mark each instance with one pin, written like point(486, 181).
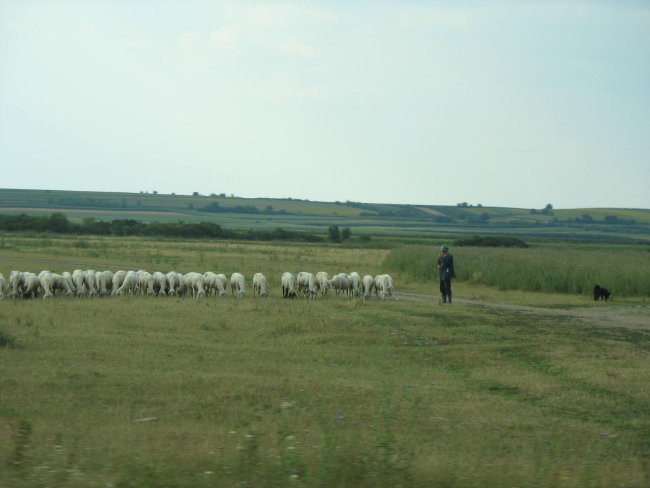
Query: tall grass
point(624, 270)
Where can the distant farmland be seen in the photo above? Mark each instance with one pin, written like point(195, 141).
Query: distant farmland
point(364, 219)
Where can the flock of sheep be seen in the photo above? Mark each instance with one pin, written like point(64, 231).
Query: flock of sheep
point(24, 284)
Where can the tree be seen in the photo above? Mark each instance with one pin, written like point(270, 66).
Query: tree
point(59, 222)
point(335, 233)
point(346, 233)
point(548, 210)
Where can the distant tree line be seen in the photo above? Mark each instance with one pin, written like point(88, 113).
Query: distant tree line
point(491, 241)
point(608, 219)
point(214, 207)
point(58, 223)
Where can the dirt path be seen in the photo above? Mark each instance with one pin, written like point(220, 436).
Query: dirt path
point(628, 317)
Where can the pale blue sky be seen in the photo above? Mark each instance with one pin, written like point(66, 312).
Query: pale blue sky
point(503, 103)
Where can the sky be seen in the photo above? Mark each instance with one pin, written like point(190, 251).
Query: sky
point(499, 103)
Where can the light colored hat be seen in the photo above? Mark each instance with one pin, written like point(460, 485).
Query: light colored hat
point(444, 247)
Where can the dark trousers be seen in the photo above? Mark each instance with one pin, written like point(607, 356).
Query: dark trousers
point(445, 290)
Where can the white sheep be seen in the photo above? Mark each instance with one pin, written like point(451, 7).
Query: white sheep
point(222, 281)
point(211, 283)
point(145, 282)
point(79, 282)
point(237, 284)
point(194, 284)
point(159, 283)
point(384, 286)
point(130, 284)
point(104, 282)
point(68, 277)
point(389, 288)
point(89, 281)
point(16, 283)
point(355, 284)
point(118, 280)
point(31, 285)
point(175, 285)
point(289, 285)
point(52, 282)
point(368, 284)
point(259, 284)
point(3, 286)
point(340, 283)
point(379, 286)
point(59, 283)
point(307, 284)
point(322, 282)
point(45, 279)
point(303, 282)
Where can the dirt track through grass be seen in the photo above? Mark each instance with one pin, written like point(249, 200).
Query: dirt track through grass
point(600, 315)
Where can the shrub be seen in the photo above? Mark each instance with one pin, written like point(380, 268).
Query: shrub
point(7, 340)
point(491, 241)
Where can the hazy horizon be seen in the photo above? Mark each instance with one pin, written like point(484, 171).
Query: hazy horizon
point(261, 197)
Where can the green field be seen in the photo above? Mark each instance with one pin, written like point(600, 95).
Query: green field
point(403, 222)
point(503, 388)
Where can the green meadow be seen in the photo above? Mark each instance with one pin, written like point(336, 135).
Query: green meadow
point(176, 392)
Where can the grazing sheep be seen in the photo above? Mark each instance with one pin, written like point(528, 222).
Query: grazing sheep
point(46, 281)
point(384, 286)
point(104, 282)
point(193, 282)
point(79, 282)
point(355, 284)
point(211, 283)
point(303, 282)
point(16, 283)
point(322, 282)
point(307, 284)
point(289, 284)
point(130, 284)
point(237, 283)
point(368, 283)
point(259, 284)
point(340, 283)
point(3, 286)
point(89, 281)
point(159, 284)
point(175, 283)
point(68, 277)
point(31, 285)
point(145, 282)
point(222, 281)
point(118, 280)
point(52, 282)
point(61, 284)
point(389, 286)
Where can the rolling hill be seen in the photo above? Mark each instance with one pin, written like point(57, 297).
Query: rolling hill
point(370, 219)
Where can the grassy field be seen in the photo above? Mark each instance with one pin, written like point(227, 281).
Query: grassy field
point(625, 270)
point(369, 219)
point(159, 391)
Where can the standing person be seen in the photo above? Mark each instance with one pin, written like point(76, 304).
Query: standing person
point(445, 272)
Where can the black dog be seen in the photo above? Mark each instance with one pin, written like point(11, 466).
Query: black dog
point(601, 293)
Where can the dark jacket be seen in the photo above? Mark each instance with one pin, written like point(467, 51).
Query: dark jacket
point(446, 267)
